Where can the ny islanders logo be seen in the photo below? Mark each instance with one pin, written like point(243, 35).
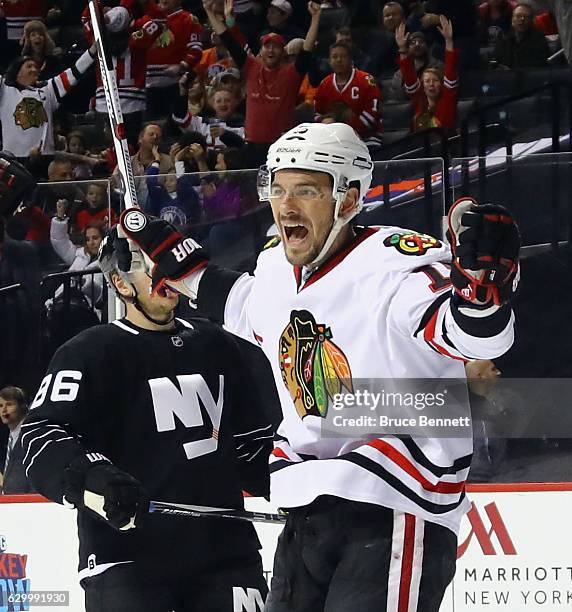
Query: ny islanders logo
point(313, 368)
point(412, 244)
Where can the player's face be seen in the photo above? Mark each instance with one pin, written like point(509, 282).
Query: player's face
point(28, 74)
point(431, 85)
point(9, 412)
point(340, 61)
point(392, 17)
point(93, 240)
point(160, 305)
point(303, 208)
point(271, 54)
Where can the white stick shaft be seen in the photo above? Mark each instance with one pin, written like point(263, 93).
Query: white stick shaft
point(109, 78)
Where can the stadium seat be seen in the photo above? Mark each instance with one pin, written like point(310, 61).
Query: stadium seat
point(397, 116)
point(488, 83)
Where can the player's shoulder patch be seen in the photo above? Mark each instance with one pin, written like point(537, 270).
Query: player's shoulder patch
point(370, 80)
point(411, 243)
point(273, 242)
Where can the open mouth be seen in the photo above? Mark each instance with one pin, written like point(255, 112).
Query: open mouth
point(295, 234)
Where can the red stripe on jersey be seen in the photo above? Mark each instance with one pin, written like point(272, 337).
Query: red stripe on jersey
point(429, 336)
point(278, 452)
point(406, 563)
point(392, 453)
point(334, 261)
point(65, 80)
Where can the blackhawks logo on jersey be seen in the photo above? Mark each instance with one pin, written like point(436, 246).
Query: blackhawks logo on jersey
point(313, 368)
point(412, 244)
point(165, 39)
point(30, 113)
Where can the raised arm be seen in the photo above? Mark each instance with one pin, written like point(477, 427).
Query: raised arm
point(219, 27)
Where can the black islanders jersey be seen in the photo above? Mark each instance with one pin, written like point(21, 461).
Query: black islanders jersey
point(176, 409)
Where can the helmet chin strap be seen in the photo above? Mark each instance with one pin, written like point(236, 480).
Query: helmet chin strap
point(134, 299)
point(336, 228)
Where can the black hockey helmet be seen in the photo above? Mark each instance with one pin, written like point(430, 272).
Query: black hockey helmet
point(16, 183)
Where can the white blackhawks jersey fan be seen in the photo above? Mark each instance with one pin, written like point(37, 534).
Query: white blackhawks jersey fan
point(381, 308)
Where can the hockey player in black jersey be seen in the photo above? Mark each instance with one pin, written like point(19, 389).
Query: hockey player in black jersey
point(152, 407)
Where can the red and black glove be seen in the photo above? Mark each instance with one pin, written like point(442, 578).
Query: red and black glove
point(174, 256)
point(485, 242)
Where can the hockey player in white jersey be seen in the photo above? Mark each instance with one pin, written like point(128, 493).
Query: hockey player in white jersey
point(372, 521)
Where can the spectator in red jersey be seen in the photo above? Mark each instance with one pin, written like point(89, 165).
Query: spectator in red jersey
point(271, 85)
point(129, 48)
point(38, 44)
point(422, 59)
point(16, 14)
point(95, 208)
point(177, 50)
point(495, 18)
point(351, 96)
point(435, 95)
point(524, 46)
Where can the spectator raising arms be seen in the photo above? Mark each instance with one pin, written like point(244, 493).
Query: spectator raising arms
point(271, 86)
point(177, 49)
point(434, 96)
point(27, 106)
point(78, 257)
point(351, 96)
point(129, 50)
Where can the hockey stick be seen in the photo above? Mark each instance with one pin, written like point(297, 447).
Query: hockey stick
point(109, 78)
point(157, 507)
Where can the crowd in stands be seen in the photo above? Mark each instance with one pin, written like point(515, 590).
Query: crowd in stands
point(207, 85)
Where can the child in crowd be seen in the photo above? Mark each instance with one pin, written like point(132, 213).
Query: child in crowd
point(226, 128)
point(95, 208)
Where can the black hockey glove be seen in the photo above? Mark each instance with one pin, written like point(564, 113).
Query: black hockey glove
point(174, 256)
point(94, 484)
point(485, 242)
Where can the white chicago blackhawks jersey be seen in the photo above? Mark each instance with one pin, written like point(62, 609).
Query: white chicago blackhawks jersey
point(380, 309)
point(26, 113)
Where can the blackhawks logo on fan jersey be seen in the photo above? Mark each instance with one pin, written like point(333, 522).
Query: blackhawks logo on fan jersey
point(313, 368)
point(30, 113)
point(412, 244)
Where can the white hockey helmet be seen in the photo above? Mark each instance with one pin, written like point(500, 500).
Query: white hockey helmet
point(334, 148)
